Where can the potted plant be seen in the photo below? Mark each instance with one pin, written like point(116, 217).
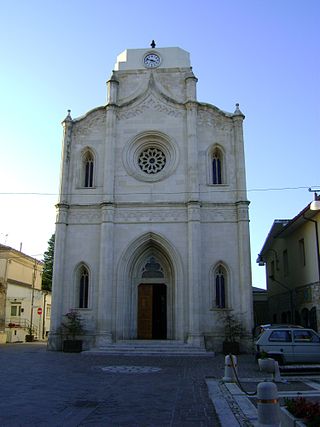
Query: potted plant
point(71, 328)
point(233, 330)
point(29, 336)
point(300, 412)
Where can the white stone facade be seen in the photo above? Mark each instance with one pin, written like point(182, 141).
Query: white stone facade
point(152, 203)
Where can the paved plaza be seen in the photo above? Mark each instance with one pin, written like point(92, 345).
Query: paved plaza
point(44, 388)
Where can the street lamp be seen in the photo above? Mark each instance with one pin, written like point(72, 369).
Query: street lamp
point(315, 205)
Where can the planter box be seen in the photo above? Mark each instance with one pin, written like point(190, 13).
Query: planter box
point(29, 338)
point(230, 347)
point(288, 420)
point(72, 346)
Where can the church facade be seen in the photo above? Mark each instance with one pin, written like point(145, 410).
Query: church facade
point(152, 231)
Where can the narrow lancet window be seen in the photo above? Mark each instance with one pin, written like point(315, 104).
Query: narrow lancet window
point(216, 168)
point(88, 165)
point(83, 288)
point(220, 284)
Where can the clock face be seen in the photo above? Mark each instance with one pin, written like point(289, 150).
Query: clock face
point(152, 60)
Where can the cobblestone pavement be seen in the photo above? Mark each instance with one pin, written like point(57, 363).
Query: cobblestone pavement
point(43, 388)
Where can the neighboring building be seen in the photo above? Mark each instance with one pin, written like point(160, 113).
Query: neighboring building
point(152, 233)
point(260, 306)
point(24, 307)
point(291, 256)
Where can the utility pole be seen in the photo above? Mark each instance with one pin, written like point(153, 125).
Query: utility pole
point(32, 294)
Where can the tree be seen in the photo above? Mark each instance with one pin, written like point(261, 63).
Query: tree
point(48, 265)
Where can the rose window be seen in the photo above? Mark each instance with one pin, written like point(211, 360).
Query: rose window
point(150, 156)
point(152, 160)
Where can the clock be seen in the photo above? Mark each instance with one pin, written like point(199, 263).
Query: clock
point(151, 60)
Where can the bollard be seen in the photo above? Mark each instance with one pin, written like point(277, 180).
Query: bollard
point(276, 374)
point(268, 405)
point(229, 367)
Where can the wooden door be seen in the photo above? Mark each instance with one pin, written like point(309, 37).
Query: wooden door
point(159, 312)
point(152, 311)
point(144, 312)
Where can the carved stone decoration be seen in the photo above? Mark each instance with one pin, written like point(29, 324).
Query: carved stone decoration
point(62, 213)
point(92, 122)
point(242, 210)
point(152, 269)
point(218, 215)
point(107, 212)
point(213, 119)
point(206, 118)
point(150, 103)
point(84, 216)
point(149, 216)
point(193, 212)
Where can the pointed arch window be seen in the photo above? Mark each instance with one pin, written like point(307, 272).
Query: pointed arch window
point(88, 169)
point(216, 167)
point(220, 287)
point(83, 287)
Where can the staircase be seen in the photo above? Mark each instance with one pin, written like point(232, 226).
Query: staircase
point(149, 348)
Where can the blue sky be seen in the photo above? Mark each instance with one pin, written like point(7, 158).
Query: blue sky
point(57, 55)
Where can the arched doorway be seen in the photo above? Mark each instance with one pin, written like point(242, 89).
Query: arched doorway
point(151, 261)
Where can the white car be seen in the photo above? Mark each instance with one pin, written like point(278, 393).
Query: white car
point(289, 345)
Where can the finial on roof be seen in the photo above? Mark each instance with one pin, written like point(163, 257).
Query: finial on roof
point(237, 111)
point(113, 77)
point(68, 118)
point(153, 44)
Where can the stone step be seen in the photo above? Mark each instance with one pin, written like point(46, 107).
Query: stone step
point(150, 348)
